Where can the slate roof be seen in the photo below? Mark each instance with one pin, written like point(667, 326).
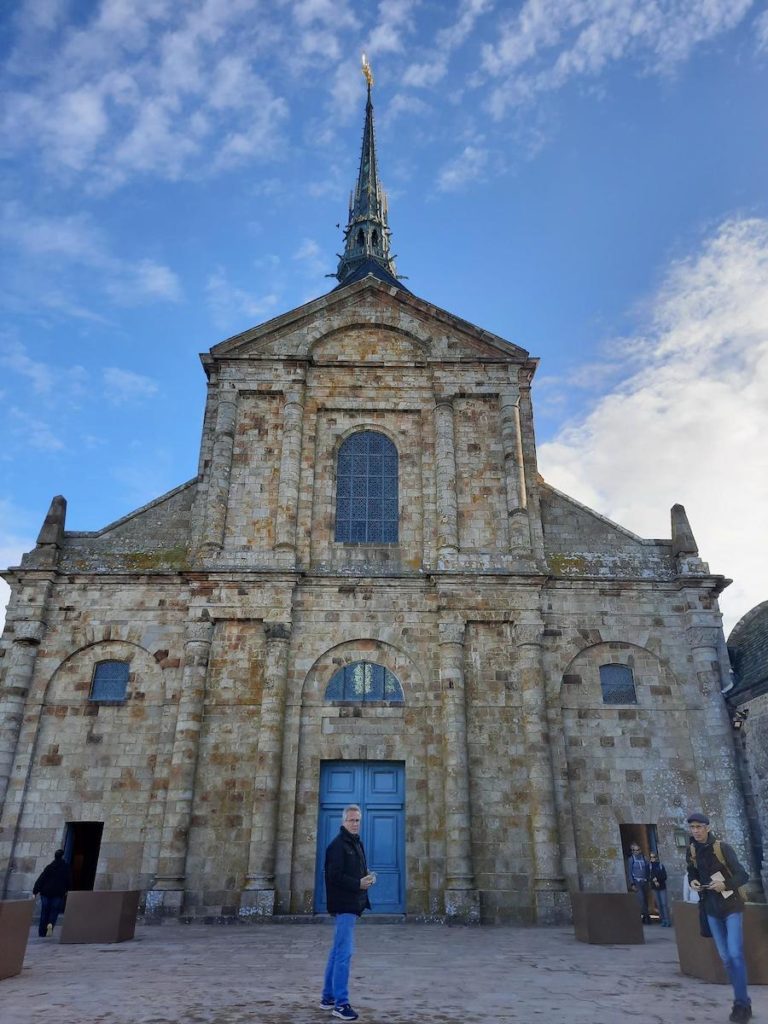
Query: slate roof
point(748, 651)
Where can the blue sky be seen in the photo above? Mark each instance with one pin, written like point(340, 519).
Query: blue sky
point(586, 178)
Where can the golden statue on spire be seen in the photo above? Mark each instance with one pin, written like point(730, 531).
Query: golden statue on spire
point(367, 71)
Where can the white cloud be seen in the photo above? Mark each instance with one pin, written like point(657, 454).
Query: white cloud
point(50, 243)
point(548, 42)
point(15, 539)
point(470, 165)
point(230, 304)
point(311, 256)
point(46, 378)
point(149, 87)
point(761, 31)
point(35, 432)
point(124, 386)
point(434, 69)
point(394, 20)
point(689, 424)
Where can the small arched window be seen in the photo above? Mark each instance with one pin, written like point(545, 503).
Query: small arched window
point(367, 507)
point(110, 681)
point(360, 238)
point(364, 681)
point(374, 238)
point(617, 684)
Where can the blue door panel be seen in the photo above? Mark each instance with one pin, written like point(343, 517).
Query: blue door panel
point(379, 789)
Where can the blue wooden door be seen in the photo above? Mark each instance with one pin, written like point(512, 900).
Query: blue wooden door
point(379, 788)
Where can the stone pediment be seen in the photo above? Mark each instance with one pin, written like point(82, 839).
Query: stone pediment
point(368, 322)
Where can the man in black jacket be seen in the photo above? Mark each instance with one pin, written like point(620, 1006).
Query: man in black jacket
point(53, 885)
point(347, 882)
point(715, 874)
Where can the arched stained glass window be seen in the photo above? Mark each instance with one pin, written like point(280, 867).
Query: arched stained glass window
point(367, 506)
point(110, 681)
point(364, 681)
point(617, 684)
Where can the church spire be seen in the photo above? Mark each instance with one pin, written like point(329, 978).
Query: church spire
point(367, 234)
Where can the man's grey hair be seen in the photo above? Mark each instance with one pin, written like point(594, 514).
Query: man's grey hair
point(348, 808)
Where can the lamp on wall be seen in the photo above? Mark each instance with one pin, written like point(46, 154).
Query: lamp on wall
point(739, 718)
point(681, 838)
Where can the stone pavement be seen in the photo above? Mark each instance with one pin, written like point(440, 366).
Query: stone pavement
point(249, 974)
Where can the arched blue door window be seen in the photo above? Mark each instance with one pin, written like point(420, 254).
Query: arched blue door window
point(364, 681)
point(366, 490)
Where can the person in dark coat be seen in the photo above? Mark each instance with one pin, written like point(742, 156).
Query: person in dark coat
point(715, 873)
point(52, 886)
point(659, 887)
point(347, 881)
point(638, 879)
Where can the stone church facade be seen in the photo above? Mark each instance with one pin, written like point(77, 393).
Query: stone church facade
point(367, 575)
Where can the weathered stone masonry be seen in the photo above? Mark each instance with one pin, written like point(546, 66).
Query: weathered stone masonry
point(234, 606)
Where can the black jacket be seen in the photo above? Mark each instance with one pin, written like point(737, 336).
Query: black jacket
point(345, 865)
point(706, 865)
point(55, 879)
point(658, 875)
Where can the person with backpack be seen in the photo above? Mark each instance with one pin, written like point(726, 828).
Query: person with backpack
point(52, 885)
point(638, 879)
point(715, 873)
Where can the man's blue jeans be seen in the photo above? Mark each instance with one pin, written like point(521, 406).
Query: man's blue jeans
point(50, 908)
point(728, 935)
point(336, 981)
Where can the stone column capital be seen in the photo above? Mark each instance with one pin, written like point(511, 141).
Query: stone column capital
point(277, 630)
point(199, 631)
point(529, 635)
point(29, 632)
point(451, 632)
point(295, 395)
point(703, 636)
point(446, 400)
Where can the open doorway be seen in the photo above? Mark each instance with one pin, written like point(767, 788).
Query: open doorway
point(82, 842)
point(646, 837)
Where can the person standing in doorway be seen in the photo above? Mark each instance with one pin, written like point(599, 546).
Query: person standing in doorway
point(347, 881)
point(716, 874)
point(53, 886)
point(659, 887)
point(638, 879)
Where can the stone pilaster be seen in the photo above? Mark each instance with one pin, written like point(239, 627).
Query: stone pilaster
point(530, 470)
point(462, 900)
point(167, 894)
point(445, 457)
point(258, 896)
point(219, 473)
point(290, 470)
point(28, 635)
point(552, 904)
point(514, 469)
point(712, 741)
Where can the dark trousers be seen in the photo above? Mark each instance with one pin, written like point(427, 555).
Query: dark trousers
point(50, 908)
point(641, 892)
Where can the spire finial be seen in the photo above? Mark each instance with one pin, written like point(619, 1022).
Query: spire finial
point(367, 72)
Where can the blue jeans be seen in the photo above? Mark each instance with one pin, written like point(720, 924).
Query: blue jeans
point(729, 939)
point(662, 902)
point(641, 893)
point(50, 908)
point(336, 981)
